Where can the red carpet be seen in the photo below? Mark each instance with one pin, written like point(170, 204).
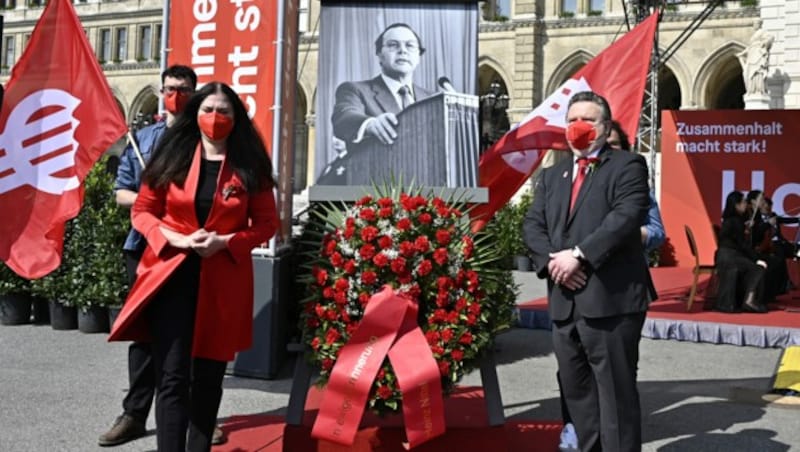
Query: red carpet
point(466, 420)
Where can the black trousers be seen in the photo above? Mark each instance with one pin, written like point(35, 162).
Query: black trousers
point(189, 390)
point(597, 365)
point(737, 275)
point(141, 375)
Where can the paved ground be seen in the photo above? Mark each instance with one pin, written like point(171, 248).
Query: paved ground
point(59, 390)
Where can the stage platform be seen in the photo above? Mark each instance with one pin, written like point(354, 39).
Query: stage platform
point(467, 430)
point(667, 317)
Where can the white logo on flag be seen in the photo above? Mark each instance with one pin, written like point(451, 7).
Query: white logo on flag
point(35, 149)
point(554, 108)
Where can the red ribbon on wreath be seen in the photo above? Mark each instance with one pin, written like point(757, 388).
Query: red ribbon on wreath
point(389, 327)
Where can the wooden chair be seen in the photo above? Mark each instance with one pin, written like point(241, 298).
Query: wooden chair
point(698, 269)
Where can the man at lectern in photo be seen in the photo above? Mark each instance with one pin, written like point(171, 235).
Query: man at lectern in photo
point(367, 110)
point(395, 93)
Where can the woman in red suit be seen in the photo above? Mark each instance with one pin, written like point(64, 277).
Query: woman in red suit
point(205, 202)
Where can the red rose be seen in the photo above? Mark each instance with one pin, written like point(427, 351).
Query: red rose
point(438, 202)
point(363, 201)
point(444, 368)
point(425, 218)
point(322, 277)
point(474, 308)
point(439, 315)
point(407, 249)
point(385, 202)
point(384, 392)
point(404, 278)
point(369, 233)
point(340, 297)
point(319, 310)
point(342, 284)
point(452, 317)
point(443, 236)
point(420, 201)
point(432, 336)
point(330, 314)
point(367, 214)
point(442, 299)
point(472, 319)
point(465, 338)
point(337, 260)
point(443, 211)
point(327, 364)
point(350, 267)
point(469, 246)
point(424, 267)
point(331, 336)
point(327, 293)
point(403, 224)
point(398, 266)
point(440, 256)
point(444, 283)
point(315, 343)
point(385, 242)
point(385, 212)
point(461, 304)
point(457, 355)
point(349, 231)
point(369, 277)
point(350, 222)
point(422, 244)
point(447, 335)
point(380, 260)
point(367, 252)
point(363, 297)
point(330, 247)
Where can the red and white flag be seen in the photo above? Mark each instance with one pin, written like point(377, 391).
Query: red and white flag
point(58, 117)
point(618, 73)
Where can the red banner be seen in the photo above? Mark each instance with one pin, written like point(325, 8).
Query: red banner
point(708, 154)
point(231, 42)
point(58, 117)
point(389, 327)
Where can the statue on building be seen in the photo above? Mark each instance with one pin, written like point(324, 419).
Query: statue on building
point(755, 62)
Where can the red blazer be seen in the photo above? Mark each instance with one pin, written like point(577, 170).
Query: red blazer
point(224, 319)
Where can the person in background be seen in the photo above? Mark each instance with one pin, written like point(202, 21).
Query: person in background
point(738, 268)
point(762, 231)
point(205, 202)
point(653, 234)
point(583, 234)
point(177, 85)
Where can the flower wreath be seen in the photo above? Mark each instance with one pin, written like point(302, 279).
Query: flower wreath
point(424, 249)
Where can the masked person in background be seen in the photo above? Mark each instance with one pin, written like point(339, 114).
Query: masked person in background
point(205, 202)
point(177, 85)
point(583, 234)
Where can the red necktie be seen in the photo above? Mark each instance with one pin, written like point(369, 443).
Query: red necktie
point(583, 168)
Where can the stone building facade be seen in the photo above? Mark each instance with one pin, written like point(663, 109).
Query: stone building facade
point(527, 48)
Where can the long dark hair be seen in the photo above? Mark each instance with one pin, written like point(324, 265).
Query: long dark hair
point(245, 152)
point(733, 198)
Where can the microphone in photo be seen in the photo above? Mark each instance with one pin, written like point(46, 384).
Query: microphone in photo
point(446, 85)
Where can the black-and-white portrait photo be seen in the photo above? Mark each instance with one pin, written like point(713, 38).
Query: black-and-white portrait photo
point(396, 91)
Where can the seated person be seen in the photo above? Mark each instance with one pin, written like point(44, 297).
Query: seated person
point(764, 228)
point(739, 270)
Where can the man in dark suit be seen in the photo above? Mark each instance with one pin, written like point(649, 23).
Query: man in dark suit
point(365, 112)
point(588, 245)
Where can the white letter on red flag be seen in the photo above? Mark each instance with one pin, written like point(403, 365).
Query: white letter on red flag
point(618, 73)
point(57, 119)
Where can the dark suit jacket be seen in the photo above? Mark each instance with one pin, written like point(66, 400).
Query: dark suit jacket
point(611, 205)
point(358, 101)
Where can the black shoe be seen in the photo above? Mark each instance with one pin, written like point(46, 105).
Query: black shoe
point(126, 428)
point(726, 309)
point(218, 437)
point(756, 308)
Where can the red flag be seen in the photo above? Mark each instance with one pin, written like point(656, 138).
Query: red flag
point(57, 119)
point(618, 73)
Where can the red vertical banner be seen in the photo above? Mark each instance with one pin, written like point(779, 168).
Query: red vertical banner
point(708, 154)
point(230, 42)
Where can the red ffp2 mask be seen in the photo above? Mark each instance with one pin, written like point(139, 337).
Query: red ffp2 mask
point(175, 101)
point(580, 134)
point(214, 125)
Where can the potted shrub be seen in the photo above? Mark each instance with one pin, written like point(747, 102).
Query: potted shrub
point(96, 265)
point(15, 300)
point(506, 226)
